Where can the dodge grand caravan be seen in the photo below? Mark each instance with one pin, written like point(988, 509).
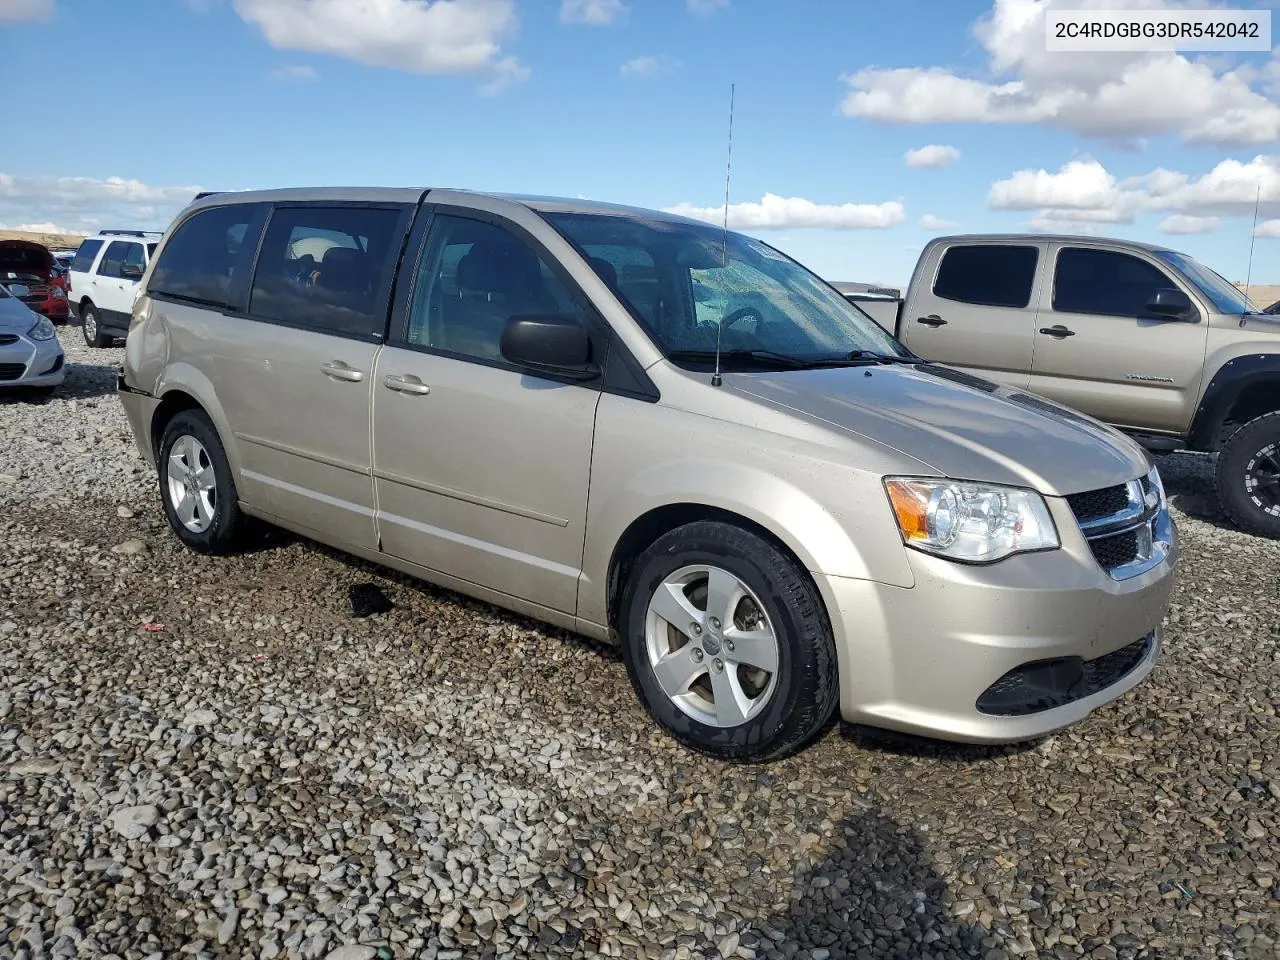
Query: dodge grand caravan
point(646, 430)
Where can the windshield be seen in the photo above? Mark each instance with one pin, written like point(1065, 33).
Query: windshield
point(1225, 296)
point(682, 281)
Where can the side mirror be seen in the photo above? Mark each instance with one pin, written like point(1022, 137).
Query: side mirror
point(130, 271)
point(1172, 304)
point(554, 345)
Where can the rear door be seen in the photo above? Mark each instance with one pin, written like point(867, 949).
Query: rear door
point(1099, 350)
point(113, 291)
point(80, 274)
point(298, 372)
point(975, 308)
point(481, 468)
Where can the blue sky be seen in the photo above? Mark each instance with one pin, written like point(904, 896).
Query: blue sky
point(626, 100)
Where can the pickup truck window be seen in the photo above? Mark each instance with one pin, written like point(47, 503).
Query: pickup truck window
point(992, 275)
point(1104, 282)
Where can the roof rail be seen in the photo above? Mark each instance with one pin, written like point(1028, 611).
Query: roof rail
point(131, 233)
point(207, 193)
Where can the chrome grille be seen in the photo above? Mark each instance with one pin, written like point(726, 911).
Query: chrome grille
point(1127, 526)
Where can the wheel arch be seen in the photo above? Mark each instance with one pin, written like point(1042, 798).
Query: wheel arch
point(183, 387)
point(655, 523)
point(1243, 389)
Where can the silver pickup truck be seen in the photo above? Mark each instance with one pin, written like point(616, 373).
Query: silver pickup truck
point(1140, 337)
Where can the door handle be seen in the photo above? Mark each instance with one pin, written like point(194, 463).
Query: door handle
point(338, 370)
point(932, 320)
point(1058, 332)
point(406, 384)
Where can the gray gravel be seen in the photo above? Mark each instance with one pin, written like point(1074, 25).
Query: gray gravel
point(211, 758)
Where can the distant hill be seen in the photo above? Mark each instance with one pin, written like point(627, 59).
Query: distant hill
point(54, 241)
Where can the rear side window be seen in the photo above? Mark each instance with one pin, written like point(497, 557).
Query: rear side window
point(206, 255)
point(117, 253)
point(328, 268)
point(1104, 282)
point(994, 275)
point(83, 259)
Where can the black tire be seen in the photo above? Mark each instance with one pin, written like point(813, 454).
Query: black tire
point(91, 326)
point(222, 534)
point(1245, 465)
point(807, 689)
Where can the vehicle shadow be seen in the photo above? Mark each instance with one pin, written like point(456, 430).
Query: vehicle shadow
point(874, 894)
point(1189, 485)
point(83, 381)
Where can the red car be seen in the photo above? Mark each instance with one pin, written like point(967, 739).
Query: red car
point(31, 266)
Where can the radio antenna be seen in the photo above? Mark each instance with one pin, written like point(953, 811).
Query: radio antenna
point(1253, 238)
point(724, 242)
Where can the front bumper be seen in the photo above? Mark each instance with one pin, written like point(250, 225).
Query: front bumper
point(1040, 639)
point(55, 308)
point(32, 363)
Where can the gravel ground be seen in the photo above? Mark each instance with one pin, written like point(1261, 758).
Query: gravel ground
point(265, 776)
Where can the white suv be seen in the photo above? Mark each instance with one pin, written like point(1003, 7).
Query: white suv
point(104, 280)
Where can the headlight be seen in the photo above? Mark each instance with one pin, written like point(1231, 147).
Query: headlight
point(42, 330)
point(58, 293)
point(971, 522)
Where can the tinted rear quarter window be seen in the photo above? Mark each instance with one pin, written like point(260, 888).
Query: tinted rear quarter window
point(328, 268)
point(992, 275)
point(83, 259)
point(207, 253)
point(1104, 282)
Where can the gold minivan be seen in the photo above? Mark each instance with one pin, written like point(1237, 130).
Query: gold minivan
point(650, 431)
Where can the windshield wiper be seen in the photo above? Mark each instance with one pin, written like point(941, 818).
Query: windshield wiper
point(760, 356)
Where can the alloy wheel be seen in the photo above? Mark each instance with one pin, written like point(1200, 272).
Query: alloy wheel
point(191, 483)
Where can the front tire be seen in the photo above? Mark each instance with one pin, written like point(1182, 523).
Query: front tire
point(196, 486)
point(91, 326)
point(727, 643)
point(1248, 476)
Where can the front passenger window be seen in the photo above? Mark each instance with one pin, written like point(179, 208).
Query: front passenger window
point(473, 278)
point(1104, 282)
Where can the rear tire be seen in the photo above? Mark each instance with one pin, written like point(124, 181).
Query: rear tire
point(1248, 476)
point(91, 326)
point(196, 486)
point(715, 696)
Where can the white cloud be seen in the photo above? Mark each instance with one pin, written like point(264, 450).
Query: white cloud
point(45, 227)
point(594, 13)
point(778, 213)
point(1046, 222)
point(1085, 192)
point(86, 203)
point(705, 8)
point(1079, 183)
point(1268, 228)
point(26, 9)
point(1115, 96)
point(1183, 223)
point(296, 72)
point(931, 155)
point(647, 66)
point(440, 37)
point(930, 222)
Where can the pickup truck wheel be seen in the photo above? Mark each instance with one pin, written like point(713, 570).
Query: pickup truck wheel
point(727, 643)
point(196, 486)
point(91, 326)
point(1248, 477)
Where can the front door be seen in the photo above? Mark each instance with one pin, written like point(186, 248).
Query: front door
point(114, 290)
point(481, 469)
point(1097, 349)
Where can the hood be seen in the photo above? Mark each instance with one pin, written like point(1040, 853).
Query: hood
point(959, 425)
point(15, 316)
point(25, 257)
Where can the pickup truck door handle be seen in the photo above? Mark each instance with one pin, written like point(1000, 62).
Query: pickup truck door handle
point(337, 370)
point(932, 320)
point(406, 384)
point(1058, 331)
